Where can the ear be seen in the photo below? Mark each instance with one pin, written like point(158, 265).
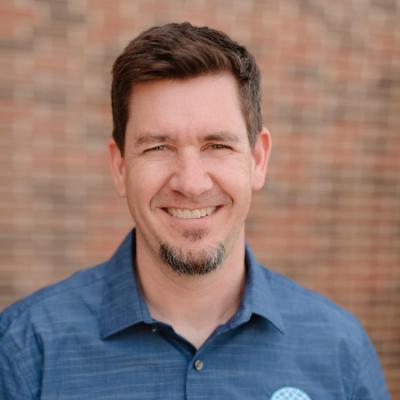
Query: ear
point(117, 165)
point(261, 152)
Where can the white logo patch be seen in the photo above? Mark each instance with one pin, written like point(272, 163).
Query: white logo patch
point(290, 393)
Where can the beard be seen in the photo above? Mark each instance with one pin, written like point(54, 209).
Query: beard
point(187, 263)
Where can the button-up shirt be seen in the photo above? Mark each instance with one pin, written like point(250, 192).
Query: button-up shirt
point(91, 336)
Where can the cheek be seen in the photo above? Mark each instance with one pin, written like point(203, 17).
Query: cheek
point(143, 182)
point(233, 172)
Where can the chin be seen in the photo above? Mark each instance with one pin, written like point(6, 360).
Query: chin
point(190, 261)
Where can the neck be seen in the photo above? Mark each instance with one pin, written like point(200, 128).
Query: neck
point(193, 305)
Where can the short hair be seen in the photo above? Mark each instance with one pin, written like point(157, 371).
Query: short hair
point(182, 51)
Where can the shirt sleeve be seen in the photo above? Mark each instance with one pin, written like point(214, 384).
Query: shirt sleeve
point(370, 383)
point(13, 385)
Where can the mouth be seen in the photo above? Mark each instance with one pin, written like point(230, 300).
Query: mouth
point(185, 213)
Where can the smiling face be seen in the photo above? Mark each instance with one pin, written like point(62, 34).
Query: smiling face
point(188, 171)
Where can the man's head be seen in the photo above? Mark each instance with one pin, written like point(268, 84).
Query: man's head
point(188, 147)
point(182, 51)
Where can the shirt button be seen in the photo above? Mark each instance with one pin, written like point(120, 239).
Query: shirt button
point(198, 365)
point(154, 330)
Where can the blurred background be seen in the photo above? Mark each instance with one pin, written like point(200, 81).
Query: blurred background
point(329, 215)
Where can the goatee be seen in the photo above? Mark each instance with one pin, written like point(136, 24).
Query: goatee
point(186, 263)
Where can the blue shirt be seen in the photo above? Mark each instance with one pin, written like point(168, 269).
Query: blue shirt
point(92, 337)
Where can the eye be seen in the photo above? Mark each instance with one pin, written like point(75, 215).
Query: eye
point(219, 146)
point(156, 148)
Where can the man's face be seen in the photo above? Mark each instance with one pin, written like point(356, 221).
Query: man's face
point(188, 171)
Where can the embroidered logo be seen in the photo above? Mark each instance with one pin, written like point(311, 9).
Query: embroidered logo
point(290, 393)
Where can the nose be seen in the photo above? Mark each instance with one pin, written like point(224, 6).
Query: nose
point(191, 176)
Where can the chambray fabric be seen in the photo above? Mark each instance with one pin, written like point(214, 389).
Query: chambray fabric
point(92, 337)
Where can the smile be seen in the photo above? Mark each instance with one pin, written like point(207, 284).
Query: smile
point(184, 213)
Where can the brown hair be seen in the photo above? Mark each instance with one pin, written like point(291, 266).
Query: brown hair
point(179, 51)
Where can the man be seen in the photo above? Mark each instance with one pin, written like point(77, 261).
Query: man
point(182, 310)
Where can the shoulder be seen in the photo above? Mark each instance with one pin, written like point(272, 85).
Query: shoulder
point(328, 337)
point(69, 298)
point(308, 314)
point(31, 324)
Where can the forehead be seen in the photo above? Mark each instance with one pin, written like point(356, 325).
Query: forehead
point(208, 103)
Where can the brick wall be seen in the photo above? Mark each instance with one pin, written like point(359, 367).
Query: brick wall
point(329, 216)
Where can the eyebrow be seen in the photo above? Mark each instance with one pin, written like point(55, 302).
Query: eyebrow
point(223, 136)
point(149, 138)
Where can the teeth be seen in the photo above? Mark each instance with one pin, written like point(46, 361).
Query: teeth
point(191, 214)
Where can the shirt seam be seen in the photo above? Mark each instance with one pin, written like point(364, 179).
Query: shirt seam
point(360, 369)
point(19, 371)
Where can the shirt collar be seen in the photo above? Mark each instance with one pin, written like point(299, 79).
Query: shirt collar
point(123, 305)
point(258, 297)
